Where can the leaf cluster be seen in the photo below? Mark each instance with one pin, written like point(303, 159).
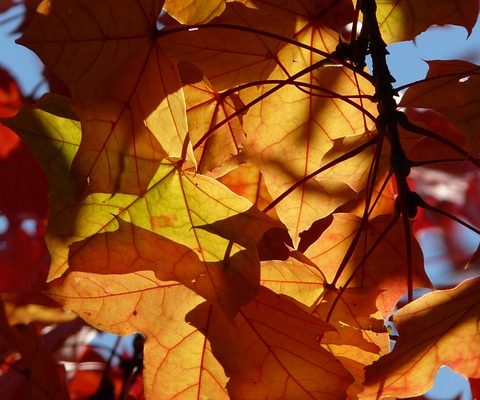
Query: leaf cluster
point(227, 178)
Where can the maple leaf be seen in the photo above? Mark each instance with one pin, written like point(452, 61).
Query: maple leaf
point(206, 109)
point(247, 181)
point(54, 140)
point(225, 187)
point(295, 277)
point(271, 349)
point(405, 19)
point(451, 82)
point(231, 49)
point(194, 12)
point(309, 106)
point(299, 135)
point(179, 209)
point(431, 331)
point(110, 61)
point(177, 358)
point(359, 335)
point(366, 267)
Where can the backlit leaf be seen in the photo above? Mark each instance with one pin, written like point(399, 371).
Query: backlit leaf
point(228, 55)
point(125, 90)
point(295, 278)
point(404, 19)
point(224, 179)
point(205, 110)
point(440, 328)
point(54, 140)
point(451, 82)
point(198, 212)
point(359, 335)
point(177, 358)
point(175, 207)
point(372, 264)
point(288, 135)
point(247, 181)
point(271, 350)
point(130, 248)
point(194, 12)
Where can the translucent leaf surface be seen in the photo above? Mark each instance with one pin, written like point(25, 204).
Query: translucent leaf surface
point(178, 360)
point(107, 55)
point(451, 82)
point(372, 264)
point(194, 12)
point(404, 19)
point(441, 328)
point(271, 349)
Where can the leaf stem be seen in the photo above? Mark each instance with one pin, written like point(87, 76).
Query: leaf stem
point(245, 108)
point(473, 71)
point(407, 124)
point(387, 125)
point(438, 161)
point(378, 240)
point(281, 38)
point(422, 203)
point(344, 157)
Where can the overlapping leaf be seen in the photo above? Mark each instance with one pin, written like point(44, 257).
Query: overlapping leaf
point(177, 358)
point(294, 277)
point(440, 328)
point(359, 336)
point(371, 265)
point(143, 240)
point(227, 50)
point(290, 132)
point(194, 12)
point(125, 90)
point(271, 349)
point(54, 140)
point(215, 142)
point(453, 90)
point(179, 209)
point(247, 181)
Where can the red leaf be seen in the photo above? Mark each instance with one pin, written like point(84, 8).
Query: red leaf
point(23, 256)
